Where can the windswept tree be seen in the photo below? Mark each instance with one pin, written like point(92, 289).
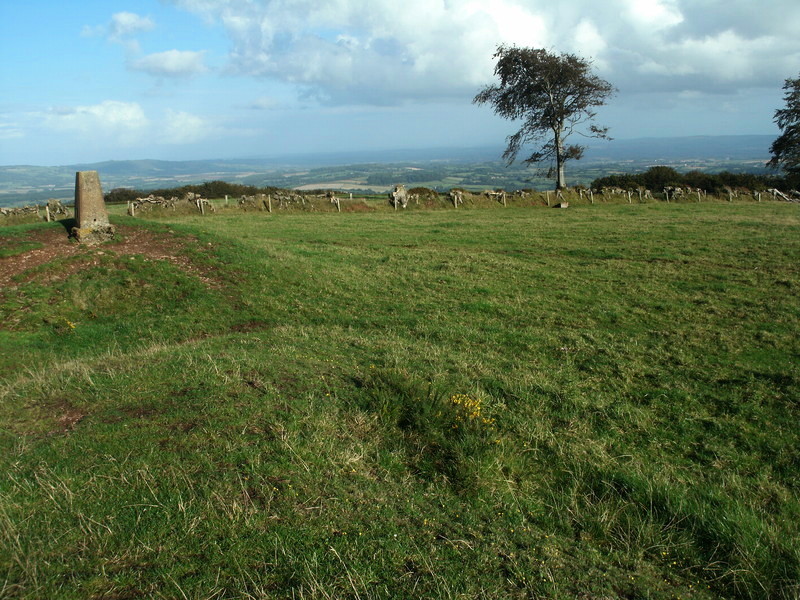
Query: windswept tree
point(786, 149)
point(554, 95)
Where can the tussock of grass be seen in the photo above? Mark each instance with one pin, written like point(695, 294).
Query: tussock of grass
point(445, 437)
point(599, 402)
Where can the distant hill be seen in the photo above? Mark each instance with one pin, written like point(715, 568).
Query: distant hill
point(22, 184)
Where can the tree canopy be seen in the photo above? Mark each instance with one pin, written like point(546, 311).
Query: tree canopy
point(553, 95)
point(786, 149)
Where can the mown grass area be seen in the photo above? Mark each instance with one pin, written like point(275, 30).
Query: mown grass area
point(599, 402)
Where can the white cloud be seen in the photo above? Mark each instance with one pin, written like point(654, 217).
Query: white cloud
point(384, 51)
point(264, 103)
point(184, 128)
point(355, 51)
point(125, 24)
point(11, 131)
point(730, 53)
point(654, 15)
point(589, 42)
point(123, 122)
point(172, 63)
point(513, 23)
point(114, 123)
point(121, 28)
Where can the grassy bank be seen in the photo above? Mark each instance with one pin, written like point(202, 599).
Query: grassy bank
point(584, 403)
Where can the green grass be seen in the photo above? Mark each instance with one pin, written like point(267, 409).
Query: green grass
point(600, 402)
point(13, 241)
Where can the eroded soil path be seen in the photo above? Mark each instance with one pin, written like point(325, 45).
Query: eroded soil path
point(56, 246)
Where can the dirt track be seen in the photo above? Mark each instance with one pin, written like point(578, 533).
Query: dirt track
point(57, 246)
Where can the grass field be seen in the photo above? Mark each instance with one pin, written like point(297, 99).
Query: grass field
point(599, 402)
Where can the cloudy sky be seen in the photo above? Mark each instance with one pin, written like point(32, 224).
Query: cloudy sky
point(185, 79)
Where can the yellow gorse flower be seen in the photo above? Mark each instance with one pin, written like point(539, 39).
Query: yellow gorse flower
point(469, 409)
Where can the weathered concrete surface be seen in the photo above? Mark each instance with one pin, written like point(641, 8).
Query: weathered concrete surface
point(90, 210)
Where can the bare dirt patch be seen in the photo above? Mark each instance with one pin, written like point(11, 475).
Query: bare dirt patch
point(69, 420)
point(60, 417)
point(56, 246)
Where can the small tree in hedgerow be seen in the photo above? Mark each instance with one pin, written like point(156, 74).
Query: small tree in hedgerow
point(554, 95)
point(786, 149)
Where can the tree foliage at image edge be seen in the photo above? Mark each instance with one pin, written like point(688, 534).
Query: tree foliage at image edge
point(786, 149)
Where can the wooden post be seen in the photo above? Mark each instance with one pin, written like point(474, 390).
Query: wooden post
point(698, 195)
point(640, 195)
point(758, 196)
point(47, 212)
point(226, 199)
point(269, 202)
point(730, 196)
point(338, 208)
point(547, 192)
point(630, 193)
point(591, 196)
point(504, 199)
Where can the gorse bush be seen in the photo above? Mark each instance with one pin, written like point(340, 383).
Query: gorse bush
point(659, 177)
point(122, 196)
point(208, 189)
point(443, 436)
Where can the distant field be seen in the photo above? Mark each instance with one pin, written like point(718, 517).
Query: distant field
point(337, 185)
point(473, 169)
point(599, 402)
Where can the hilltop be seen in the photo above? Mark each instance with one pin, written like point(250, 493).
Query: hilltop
point(519, 402)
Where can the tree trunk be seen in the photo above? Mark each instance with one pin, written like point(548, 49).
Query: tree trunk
point(561, 182)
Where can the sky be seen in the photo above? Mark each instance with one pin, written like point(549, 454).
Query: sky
point(103, 80)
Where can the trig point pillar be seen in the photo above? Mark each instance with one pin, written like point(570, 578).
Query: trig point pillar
point(90, 210)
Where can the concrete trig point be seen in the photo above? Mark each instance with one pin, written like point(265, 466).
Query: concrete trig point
point(90, 210)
